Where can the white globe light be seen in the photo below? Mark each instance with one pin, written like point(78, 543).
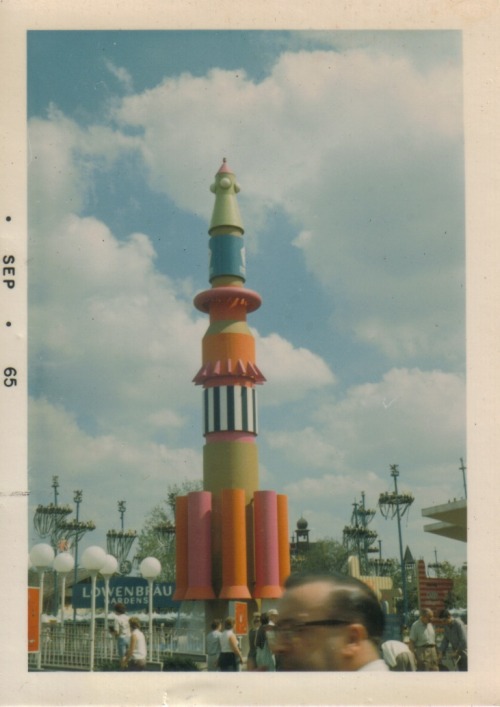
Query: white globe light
point(63, 562)
point(93, 558)
point(110, 566)
point(42, 556)
point(150, 567)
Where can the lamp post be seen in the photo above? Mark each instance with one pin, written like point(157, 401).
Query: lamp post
point(119, 542)
point(93, 559)
point(63, 563)
point(462, 469)
point(436, 566)
point(41, 557)
point(109, 568)
point(390, 505)
point(77, 499)
point(165, 534)
point(47, 521)
point(150, 568)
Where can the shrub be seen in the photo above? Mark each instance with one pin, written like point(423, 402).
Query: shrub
point(179, 663)
point(107, 665)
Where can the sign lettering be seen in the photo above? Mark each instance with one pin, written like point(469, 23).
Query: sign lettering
point(133, 592)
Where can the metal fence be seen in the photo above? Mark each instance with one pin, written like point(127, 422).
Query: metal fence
point(67, 646)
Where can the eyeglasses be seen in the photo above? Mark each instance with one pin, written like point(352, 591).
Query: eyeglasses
point(286, 633)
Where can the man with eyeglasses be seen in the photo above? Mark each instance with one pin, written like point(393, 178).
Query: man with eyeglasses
point(327, 623)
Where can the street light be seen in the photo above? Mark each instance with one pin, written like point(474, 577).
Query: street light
point(76, 529)
point(41, 558)
point(119, 542)
point(63, 563)
point(396, 504)
point(150, 568)
point(93, 559)
point(165, 534)
point(109, 568)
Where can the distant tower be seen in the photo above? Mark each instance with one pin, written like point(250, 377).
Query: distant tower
point(302, 534)
point(357, 537)
point(232, 538)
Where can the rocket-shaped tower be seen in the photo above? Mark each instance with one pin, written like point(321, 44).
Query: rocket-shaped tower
point(232, 538)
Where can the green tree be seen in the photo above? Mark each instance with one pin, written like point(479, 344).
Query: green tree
point(457, 599)
point(394, 572)
point(321, 557)
point(154, 539)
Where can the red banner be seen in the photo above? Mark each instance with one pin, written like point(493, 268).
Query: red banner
point(240, 618)
point(33, 619)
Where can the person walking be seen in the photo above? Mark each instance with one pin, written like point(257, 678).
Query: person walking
point(423, 642)
point(135, 657)
point(230, 654)
point(455, 635)
point(213, 645)
point(252, 647)
point(263, 654)
point(121, 630)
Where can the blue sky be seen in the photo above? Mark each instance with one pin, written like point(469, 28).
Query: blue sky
point(349, 150)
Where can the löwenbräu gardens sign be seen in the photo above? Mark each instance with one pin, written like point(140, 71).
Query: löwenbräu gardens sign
point(133, 592)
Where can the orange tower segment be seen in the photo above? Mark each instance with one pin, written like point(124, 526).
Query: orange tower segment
point(283, 541)
point(234, 546)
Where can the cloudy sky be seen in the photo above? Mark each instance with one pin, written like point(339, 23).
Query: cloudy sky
point(349, 150)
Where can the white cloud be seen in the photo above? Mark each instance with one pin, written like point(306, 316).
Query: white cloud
point(63, 160)
point(166, 418)
point(361, 150)
point(345, 446)
point(291, 372)
point(330, 487)
point(363, 155)
point(310, 448)
point(107, 467)
point(121, 74)
point(114, 336)
point(410, 417)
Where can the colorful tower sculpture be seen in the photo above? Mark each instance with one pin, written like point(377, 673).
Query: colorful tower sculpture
point(232, 538)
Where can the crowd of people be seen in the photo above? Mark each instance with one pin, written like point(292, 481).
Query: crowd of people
point(335, 623)
point(322, 623)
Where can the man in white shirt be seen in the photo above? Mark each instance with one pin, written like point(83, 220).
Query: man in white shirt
point(121, 629)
